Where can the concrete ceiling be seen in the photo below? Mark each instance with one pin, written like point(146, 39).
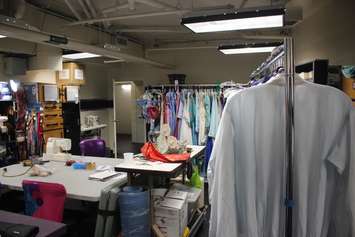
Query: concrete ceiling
point(152, 30)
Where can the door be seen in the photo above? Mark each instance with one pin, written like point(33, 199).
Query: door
point(127, 119)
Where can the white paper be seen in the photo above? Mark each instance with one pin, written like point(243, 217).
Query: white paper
point(78, 74)
point(64, 75)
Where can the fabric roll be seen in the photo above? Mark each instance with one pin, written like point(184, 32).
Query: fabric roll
point(134, 203)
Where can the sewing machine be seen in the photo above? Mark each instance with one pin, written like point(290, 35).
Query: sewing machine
point(57, 149)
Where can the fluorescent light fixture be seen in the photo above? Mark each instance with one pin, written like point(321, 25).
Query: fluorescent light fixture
point(80, 55)
point(257, 19)
point(248, 48)
point(126, 87)
point(2, 36)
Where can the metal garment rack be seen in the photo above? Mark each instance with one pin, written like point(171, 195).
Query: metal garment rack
point(287, 55)
point(290, 131)
point(182, 86)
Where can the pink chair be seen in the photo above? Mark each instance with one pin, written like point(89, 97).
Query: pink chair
point(44, 200)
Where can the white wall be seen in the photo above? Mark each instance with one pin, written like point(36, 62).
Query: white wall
point(96, 84)
point(200, 66)
point(327, 34)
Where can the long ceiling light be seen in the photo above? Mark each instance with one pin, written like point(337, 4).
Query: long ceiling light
point(2, 36)
point(248, 48)
point(258, 19)
point(80, 55)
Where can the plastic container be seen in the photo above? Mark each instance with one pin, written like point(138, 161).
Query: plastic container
point(134, 203)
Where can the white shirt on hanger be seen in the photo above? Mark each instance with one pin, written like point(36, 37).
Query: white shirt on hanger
point(246, 169)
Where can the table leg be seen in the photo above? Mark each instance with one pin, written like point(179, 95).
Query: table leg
point(129, 178)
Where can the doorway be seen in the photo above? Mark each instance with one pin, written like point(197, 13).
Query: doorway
point(129, 127)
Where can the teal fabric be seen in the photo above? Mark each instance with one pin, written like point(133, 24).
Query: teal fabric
point(192, 119)
point(208, 111)
point(348, 71)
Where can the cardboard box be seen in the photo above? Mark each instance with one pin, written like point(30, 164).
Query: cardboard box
point(193, 196)
point(158, 194)
point(170, 214)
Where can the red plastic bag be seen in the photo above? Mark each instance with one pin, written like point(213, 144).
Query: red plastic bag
point(151, 153)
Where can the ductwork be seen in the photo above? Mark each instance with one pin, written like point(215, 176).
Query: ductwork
point(43, 38)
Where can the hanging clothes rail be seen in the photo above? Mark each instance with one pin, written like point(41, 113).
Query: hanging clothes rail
point(183, 86)
point(290, 131)
point(272, 63)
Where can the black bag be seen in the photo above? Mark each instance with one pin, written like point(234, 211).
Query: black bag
point(17, 230)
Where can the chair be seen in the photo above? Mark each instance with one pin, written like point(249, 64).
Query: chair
point(93, 147)
point(44, 200)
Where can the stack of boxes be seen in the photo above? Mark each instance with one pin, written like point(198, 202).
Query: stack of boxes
point(174, 207)
point(170, 212)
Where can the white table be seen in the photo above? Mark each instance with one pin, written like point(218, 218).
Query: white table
point(76, 182)
point(152, 168)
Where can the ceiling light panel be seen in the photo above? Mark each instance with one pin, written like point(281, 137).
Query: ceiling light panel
point(249, 48)
point(236, 21)
point(2, 36)
point(80, 55)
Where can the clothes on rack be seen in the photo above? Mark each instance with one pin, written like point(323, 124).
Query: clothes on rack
point(246, 170)
point(192, 114)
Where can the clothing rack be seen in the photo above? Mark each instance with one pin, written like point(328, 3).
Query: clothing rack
point(184, 86)
point(271, 63)
point(286, 58)
point(193, 86)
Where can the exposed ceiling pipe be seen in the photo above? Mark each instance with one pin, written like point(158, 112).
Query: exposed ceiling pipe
point(114, 61)
point(242, 4)
point(91, 8)
point(73, 10)
point(135, 16)
point(157, 4)
point(116, 8)
point(132, 4)
point(86, 11)
point(153, 30)
point(42, 38)
point(181, 48)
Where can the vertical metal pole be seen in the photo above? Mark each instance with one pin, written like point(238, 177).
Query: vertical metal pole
point(290, 131)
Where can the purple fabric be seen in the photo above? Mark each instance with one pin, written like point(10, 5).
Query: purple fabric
point(93, 147)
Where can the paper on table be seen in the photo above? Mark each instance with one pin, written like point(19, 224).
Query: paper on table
point(104, 175)
point(149, 165)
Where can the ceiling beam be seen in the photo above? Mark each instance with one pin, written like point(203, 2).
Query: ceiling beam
point(115, 8)
point(40, 37)
point(73, 10)
point(86, 11)
point(182, 48)
point(153, 29)
point(126, 17)
point(91, 8)
point(157, 4)
point(242, 4)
